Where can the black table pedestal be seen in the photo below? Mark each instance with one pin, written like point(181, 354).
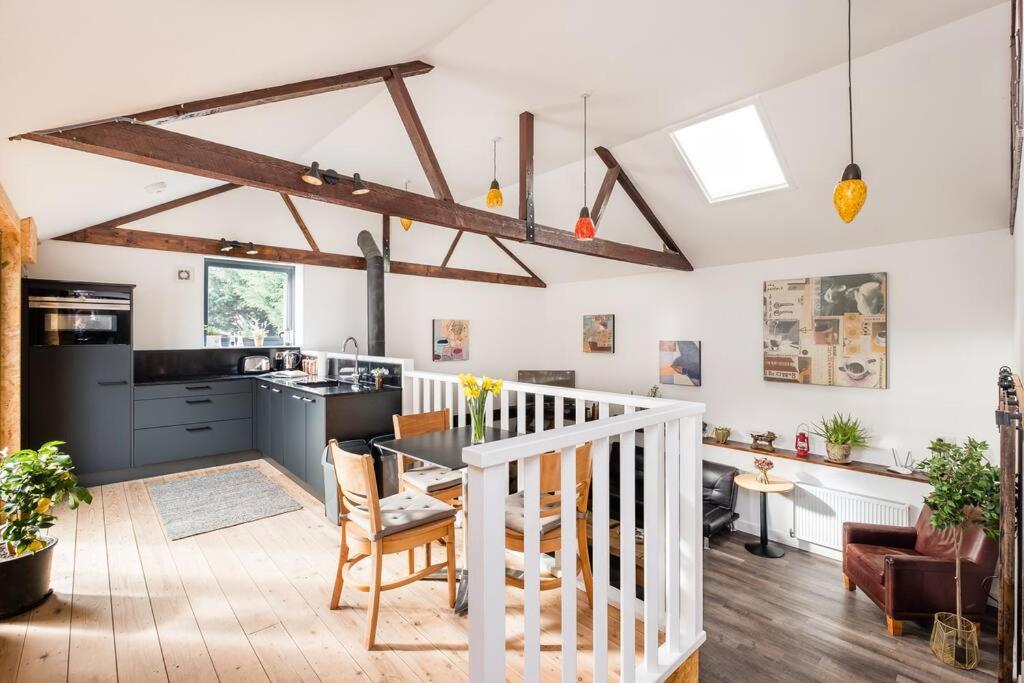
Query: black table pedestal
point(763, 548)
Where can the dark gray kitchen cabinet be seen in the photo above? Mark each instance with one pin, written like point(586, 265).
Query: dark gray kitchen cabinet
point(293, 428)
point(262, 423)
point(82, 395)
point(316, 428)
point(276, 436)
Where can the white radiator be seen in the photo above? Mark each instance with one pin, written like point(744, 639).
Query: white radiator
point(819, 514)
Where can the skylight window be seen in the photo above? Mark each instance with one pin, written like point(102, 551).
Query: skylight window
point(731, 155)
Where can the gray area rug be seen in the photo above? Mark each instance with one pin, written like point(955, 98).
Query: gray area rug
point(196, 505)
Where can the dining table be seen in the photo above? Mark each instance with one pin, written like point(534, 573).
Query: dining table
point(444, 449)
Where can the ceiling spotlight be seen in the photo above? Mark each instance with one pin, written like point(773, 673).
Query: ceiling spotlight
point(357, 185)
point(252, 250)
point(313, 175)
point(225, 246)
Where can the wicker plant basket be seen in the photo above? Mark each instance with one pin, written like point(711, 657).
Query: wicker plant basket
point(955, 642)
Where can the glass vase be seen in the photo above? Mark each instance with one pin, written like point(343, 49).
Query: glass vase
point(476, 415)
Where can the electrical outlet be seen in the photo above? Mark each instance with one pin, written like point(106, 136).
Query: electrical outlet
point(185, 274)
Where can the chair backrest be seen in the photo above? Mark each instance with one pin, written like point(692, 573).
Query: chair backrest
point(551, 481)
point(421, 423)
point(976, 546)
point(357, 485)
point(719, 484)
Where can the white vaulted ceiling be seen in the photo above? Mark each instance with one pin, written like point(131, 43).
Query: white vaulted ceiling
point(931, 95)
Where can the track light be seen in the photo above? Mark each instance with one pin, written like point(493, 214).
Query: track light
point(358, 186)
point(252, 250)
point(225, 246)
point(312, 175)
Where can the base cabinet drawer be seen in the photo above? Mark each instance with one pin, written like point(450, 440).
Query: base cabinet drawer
point(163, 444)
point(165, 412)
point(178, 389)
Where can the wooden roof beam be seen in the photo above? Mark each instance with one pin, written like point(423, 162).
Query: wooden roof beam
point(299, 222)
point(167, 149)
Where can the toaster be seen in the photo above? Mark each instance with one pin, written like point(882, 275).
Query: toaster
point(253, 365)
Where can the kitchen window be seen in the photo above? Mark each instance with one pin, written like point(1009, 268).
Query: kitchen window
point(248, 304)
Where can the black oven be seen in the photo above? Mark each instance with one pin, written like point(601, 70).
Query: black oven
point(75, 316)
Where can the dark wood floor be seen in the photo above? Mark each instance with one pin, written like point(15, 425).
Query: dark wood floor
point(790, 620)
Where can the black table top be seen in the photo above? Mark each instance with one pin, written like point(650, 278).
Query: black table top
point(442, 448)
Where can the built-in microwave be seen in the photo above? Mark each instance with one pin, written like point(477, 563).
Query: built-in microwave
point(75, 316)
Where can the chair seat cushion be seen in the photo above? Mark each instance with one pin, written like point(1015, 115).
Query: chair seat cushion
point(869, 560)
point(406, 510)
point(514, 513)
point(432, 478)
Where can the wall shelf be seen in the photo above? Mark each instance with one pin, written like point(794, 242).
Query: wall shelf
point(814, 459)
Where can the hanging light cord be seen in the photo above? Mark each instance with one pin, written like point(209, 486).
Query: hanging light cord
point(849, 66)
point(494, 157)
point(585, 149)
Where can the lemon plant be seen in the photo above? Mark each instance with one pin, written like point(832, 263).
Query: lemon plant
point(32, 483)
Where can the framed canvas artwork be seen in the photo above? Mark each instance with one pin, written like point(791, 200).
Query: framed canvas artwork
point(451, 340)
point(827, 330)
point(599, 333)
point(679, 363)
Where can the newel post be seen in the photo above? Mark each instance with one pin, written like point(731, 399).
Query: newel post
point(486, 553)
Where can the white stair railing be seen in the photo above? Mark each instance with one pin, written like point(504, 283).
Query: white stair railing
point(672, 557)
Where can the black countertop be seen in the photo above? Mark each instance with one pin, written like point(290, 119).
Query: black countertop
point(342, 389)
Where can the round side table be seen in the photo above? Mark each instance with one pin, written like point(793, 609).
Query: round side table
point(748, 480)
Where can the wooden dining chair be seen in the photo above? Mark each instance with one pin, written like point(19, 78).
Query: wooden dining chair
point(550, 516)
point(373, 527)
point(437, 482)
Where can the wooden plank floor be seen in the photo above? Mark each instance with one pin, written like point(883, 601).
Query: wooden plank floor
point(249, 604)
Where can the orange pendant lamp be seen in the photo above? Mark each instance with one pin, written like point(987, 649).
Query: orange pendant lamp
point(585, 229)
point(406, 222)
point(851, 192)
point(494, 197)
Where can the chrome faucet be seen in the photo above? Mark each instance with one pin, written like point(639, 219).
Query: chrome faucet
point(355, 369)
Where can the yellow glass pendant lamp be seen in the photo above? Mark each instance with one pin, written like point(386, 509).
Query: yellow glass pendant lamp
point(494, 196)
point(851, 192)
point(406, 223)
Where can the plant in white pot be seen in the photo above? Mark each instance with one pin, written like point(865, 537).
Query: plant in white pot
point(965, 493)
point(32, 484)
point(842, 433)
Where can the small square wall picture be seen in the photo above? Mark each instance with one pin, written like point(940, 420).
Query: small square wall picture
point(451, 340)
point(599, 333)
point(679, 363)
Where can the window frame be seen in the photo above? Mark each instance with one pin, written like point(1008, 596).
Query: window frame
point(287, 270)
point(769, 132)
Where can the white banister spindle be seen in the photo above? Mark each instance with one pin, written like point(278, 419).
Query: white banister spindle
point(581, 411)
point(520, 412)
point(489, 410)
point(449, 402)
point(559, 412)
point(652, 541)
point(417, 383)
point(487, 569)
point(603, 411)
point(462, 408)
point(627, 555)
point(692, 535)
point(568, 559)
point(504, 410)
point(673, 635)
point(599, 455)
point(437, 395)
point(538, 412)
point(531, 569)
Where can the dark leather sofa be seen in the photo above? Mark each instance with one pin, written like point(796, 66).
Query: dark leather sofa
point(908, 571)
point(719, 485)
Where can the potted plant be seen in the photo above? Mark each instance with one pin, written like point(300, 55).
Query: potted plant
point(378, 376)
point(965, 492)
point(476, 400)
point(32, 483)
point(842, 433)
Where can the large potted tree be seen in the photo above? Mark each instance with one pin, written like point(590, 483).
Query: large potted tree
point(32, 484)
point(965, 493)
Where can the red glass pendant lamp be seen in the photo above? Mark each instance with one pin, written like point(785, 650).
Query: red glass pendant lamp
point(585, 229)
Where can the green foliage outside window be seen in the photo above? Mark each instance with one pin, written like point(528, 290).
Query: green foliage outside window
point(246, 301)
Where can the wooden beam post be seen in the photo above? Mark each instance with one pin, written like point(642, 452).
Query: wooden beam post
point(526, 168)
point(607, 185)
point(299, 222)
point(166, 206)
point(29, 241)
point(163, 148)
point(418, 136)
point(451, 249)
point(10, 325)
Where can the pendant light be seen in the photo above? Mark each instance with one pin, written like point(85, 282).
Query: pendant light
point(494, 198)
point(851, 192)
point(406, 222)
point(584, 226)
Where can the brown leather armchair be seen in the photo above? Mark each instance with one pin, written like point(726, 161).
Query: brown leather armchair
point(909, 571)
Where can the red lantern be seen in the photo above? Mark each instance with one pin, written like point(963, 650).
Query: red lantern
point(803, 444)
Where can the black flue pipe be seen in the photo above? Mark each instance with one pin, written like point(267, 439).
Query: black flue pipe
point(374, 293)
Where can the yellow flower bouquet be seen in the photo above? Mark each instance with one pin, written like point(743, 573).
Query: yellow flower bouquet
point(476, 393)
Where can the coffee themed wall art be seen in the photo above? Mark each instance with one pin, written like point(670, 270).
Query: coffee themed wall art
point(827, 330)
point(451, 340)
point(679, 363)
point(599, 333)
